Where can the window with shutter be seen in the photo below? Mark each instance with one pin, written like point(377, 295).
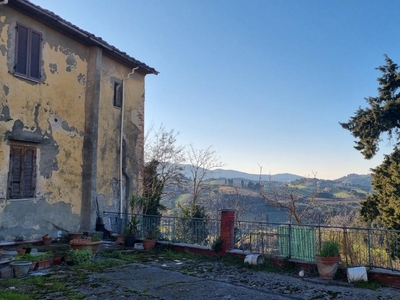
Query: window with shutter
point(22, 174)
point(28, 52)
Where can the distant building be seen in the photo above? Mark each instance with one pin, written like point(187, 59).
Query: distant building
point(62, 94)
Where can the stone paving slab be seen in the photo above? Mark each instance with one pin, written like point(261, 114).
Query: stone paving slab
point(160, 283)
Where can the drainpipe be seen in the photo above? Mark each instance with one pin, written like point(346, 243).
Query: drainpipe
point(127, 179)
point(122, 140)
point(4, 2)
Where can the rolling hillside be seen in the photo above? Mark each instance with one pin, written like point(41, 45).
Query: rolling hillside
point(339, 196)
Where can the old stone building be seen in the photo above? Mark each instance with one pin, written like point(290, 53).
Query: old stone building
point(71, 123)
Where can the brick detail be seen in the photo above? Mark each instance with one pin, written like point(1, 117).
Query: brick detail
point(227, 229)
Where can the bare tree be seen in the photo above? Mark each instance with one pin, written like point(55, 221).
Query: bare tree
point(201, 162)
point(288, 197)
point(161, 148)
point(343, 215)
point(230, 198)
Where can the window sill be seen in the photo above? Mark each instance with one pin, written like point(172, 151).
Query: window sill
point(20, 200)
point(27, 78)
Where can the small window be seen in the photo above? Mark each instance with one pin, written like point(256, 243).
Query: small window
point(118, 94)
point(22, 173)
point(28, 52)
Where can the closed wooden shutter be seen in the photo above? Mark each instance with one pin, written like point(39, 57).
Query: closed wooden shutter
point(28, 52)
point(22, 181)
point(27, 186)
point(36, 39)
point(15, 172)
point(22, 50)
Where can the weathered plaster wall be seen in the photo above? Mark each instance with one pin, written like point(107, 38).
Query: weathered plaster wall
point(51, 112)
point(109, 134)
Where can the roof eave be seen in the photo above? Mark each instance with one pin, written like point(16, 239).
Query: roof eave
point(54, 21)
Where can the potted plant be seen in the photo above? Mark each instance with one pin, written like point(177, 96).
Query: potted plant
point(46, 239)
point(74, 235)
point(328, 259)
point(21, 267)
point(27, 247)
point(96, 240)
point(150, 239)
point(131, 231)
point(78, 256)
point(120, 239)
point(43, 261)
point(26, 257)
point(38, 261)
point(21, 251)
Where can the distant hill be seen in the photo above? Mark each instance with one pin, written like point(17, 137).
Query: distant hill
point(363, 181)
point(351, 179)
point(232, 174)
point(240, 191)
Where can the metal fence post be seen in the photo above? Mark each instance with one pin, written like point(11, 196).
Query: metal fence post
point(345, 245)
point(369, 248)
point(290, 241)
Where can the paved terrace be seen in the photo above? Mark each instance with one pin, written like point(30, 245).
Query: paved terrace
point(160, 275)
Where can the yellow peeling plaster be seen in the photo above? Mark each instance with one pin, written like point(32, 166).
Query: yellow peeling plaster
point(109, 127)
point(59, 103)
point(55, 110)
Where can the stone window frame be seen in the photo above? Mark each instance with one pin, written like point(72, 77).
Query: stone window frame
point(28, 53)
point(117, 93)
point(22, 171)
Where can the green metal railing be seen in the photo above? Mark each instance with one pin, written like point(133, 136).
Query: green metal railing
point(194, 231)
point(370, 247)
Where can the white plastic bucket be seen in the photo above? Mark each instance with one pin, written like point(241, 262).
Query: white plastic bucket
point(357, 274)
point(254, 259)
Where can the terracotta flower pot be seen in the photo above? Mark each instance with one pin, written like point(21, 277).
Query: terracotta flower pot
point(74, 235)
point(21, 251)
point(79, 243)
point(149, 244)
point(120, 239)
point(32, 266)
point(46, 240)
point(95, 246)
point(84, 243)
point(327, 266)
point(44, 264)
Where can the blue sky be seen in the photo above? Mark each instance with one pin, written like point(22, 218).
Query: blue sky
point(264, 82)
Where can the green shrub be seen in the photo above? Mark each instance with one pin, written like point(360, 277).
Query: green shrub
point(32, 258)
point(329, 249)
point(217, 244)
point(79, 256)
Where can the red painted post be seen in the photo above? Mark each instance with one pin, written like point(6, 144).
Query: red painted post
point(227, 229)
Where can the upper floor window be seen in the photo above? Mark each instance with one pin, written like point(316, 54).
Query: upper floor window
point(22, 172)
point(118, 94)
point(28, 52)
